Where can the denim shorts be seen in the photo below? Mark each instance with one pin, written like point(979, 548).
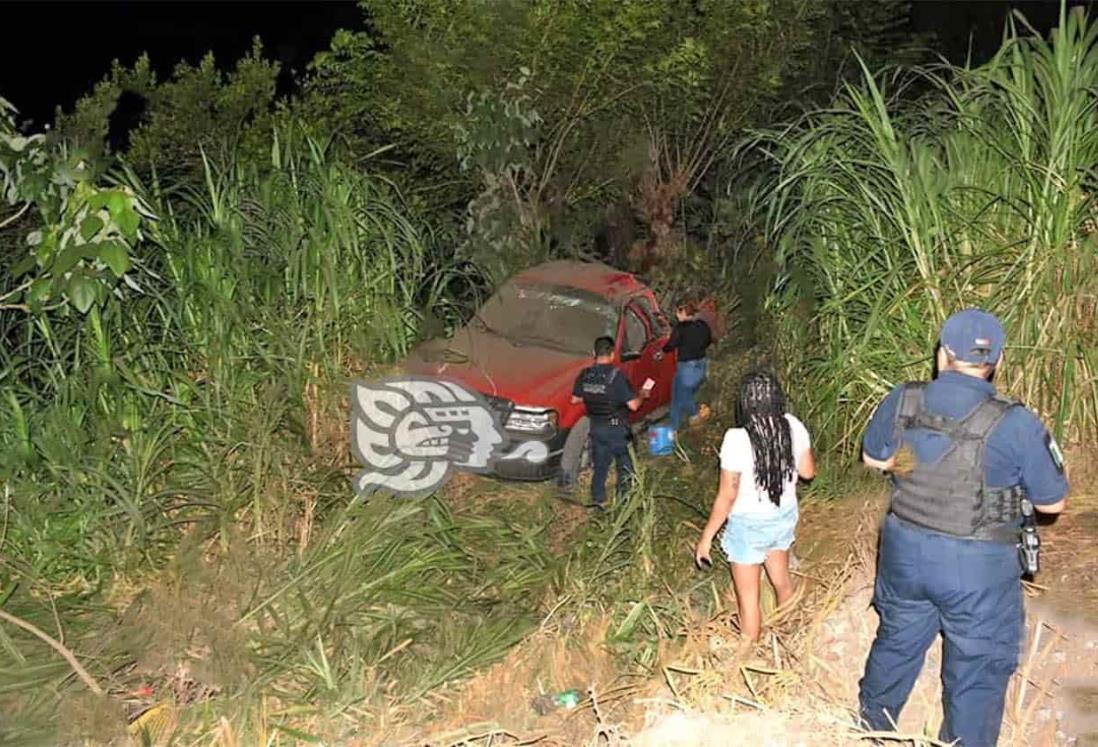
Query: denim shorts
point(747, 538)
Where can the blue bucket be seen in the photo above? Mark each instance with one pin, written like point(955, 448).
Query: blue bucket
point(660, 442)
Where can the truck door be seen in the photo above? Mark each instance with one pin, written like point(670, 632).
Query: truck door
point(659, 330)
point(641, 357)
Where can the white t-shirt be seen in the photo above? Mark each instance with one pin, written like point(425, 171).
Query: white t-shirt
point(736, 456)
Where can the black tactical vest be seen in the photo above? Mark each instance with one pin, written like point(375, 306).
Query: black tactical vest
point(951, 495)
point(595, 384)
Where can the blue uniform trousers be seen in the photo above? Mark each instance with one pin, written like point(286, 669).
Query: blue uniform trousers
point(609, 443)
point(969, 591)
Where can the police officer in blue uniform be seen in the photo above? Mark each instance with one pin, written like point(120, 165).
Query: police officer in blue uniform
point(608, 399)
point(949, 559)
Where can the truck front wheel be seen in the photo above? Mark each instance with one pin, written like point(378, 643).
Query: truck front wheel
point(576, 455)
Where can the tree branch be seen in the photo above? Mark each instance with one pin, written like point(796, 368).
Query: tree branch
point(58, 647)
point(14, 292)
point(19, 214)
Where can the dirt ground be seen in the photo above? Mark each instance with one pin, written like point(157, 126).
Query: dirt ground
point(799, 686)
point(1046, 702)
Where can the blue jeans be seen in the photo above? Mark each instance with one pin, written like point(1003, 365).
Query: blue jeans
point(689, 376)
point(608, 444)
point(968, 590)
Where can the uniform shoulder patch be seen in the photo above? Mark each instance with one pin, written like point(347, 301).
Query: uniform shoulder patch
point(1054, 452)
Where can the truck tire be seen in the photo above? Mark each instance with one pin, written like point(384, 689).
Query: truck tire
point(575, 457)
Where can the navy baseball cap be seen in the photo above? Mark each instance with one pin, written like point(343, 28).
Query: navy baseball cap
point(973, 336)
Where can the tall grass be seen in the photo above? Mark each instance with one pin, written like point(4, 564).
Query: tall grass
point(176, 509)
point(209, 546)
point(198, 405)
point(274, 276)
point(890, 214)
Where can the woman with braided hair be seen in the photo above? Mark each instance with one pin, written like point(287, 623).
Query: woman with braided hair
point(757, 496)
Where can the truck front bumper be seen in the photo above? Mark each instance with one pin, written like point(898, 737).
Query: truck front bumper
point(523, 468)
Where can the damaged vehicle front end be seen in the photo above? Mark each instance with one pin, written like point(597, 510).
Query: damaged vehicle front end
point(525, 346)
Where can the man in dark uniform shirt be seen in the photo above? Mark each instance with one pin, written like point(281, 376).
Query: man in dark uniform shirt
point(608, 399)
point(949, 558)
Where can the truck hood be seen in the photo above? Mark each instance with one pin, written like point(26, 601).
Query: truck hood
point(523, 373)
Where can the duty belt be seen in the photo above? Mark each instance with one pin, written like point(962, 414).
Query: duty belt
point(614, 421)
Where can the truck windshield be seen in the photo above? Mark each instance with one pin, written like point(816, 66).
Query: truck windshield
point(549, 316)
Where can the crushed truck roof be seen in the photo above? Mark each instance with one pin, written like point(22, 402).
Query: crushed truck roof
point(590, 276)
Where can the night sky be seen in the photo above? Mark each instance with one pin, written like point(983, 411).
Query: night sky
point(53, 52)
point(957, 23)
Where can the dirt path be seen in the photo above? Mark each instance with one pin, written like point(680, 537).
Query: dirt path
point(799, 685)
point(1052, 699)
point(1059, 663)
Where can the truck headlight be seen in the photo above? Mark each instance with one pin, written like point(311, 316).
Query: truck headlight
point(532, 420)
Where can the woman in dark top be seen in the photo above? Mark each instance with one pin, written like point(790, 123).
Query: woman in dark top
point(691, 336)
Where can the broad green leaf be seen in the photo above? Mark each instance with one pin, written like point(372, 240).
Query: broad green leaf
point(97, 201)
point(128, 220)
point(67, 259)
point(24, 265)
point(90, 226)
point(115, 256)
point(39, 291)
point(81, 292)
point(116, 203)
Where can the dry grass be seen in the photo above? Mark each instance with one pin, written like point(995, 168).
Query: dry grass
point(710, 689)
point(799, 685)
point(560, 655)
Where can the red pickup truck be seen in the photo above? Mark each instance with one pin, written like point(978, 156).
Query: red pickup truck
point(526, 345)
